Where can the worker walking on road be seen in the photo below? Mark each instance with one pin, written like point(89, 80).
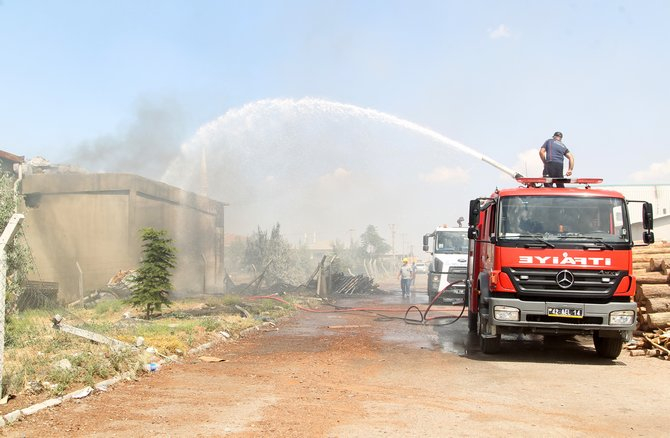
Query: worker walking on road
point(552, 154)
point(405, 275)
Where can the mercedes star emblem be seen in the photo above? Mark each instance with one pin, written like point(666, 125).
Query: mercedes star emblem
point(565, 279)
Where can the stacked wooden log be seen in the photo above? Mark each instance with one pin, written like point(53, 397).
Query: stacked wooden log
point(651, 266)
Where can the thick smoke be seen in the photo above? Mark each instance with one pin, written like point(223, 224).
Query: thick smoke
point(144, 147)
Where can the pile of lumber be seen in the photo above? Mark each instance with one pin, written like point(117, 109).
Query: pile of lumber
point(651, 266)
point(356, 284)
point(654, 344)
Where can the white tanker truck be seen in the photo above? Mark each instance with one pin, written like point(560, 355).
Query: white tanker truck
point(448, 263)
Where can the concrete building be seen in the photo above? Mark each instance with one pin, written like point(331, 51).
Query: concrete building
point(84, 228)
point(659, 196)
point(9, 161)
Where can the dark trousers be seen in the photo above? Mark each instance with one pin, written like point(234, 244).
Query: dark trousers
point(553, 170)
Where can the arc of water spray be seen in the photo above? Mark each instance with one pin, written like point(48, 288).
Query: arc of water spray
point(389, 118)
point(328, 106)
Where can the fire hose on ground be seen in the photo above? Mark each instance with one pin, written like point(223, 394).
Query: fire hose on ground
point(423, 320)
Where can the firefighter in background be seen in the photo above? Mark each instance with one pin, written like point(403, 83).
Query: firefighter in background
point(405, 275)
point(552, 153)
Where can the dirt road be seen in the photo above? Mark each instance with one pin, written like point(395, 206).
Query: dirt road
point(354, 375)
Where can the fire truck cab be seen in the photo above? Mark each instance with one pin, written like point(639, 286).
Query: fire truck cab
point(553, 261)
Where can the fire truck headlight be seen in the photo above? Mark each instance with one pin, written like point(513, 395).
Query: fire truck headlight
point(506, 313)
point(622, 317)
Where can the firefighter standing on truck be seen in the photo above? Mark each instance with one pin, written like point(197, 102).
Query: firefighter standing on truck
point(552, 153)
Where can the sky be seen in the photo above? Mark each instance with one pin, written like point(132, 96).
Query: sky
point(329, 116)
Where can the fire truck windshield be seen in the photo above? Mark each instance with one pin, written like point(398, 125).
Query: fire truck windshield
point(451, 242)
point(583, 219)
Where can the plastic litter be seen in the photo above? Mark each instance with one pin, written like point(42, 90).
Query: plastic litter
point(151, 367)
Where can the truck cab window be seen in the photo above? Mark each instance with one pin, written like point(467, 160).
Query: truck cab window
point(562, 218)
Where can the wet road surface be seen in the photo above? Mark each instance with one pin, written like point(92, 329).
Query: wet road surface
point(447, 329)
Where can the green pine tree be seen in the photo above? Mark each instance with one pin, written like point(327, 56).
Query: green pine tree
point(152, 283)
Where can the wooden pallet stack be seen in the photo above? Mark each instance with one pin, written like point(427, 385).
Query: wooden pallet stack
point(651, 265)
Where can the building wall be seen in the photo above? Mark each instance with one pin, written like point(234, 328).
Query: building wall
point(93, 222)
point(659, 196)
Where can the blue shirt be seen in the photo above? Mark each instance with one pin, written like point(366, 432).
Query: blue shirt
point(555, 151)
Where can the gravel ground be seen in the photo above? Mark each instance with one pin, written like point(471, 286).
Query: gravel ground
point(356, 374)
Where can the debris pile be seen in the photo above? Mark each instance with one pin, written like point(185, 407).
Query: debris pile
point(654, 344)
point(651, 265)
point(353, 285)
point(324, 280)
point(38, 295)
point(119, 286)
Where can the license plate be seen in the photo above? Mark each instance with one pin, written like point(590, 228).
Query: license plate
point(566, 312)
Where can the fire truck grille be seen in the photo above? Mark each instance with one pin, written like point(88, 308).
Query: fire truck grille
point(573, 321)
point(565, 283)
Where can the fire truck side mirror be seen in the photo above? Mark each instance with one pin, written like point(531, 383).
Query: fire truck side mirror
point(648, 237)
point(473, 233)
point(425, 242)
point(647, 216)
point(473, 217)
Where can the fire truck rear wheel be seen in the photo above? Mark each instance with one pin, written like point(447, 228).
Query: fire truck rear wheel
point(609, 348)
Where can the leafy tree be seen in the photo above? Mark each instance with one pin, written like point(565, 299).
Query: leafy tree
point(372, 244)
point(19, 261)
point(152, 282)
point(235, 253)
point(347, 257)
point(271, 250)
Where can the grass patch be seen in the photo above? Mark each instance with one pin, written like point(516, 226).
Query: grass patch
point(41, 359)
point(108, 307)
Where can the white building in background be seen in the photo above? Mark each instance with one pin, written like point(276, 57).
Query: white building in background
point(659, 196)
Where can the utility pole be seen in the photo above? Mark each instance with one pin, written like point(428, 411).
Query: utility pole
point(392, 226)
point(6, 237)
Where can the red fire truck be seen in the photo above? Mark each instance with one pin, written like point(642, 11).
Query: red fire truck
point(553, 261)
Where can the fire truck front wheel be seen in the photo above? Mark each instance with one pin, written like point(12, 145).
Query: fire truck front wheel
point(472, 321)
point(609, 347)
point(489, 344)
